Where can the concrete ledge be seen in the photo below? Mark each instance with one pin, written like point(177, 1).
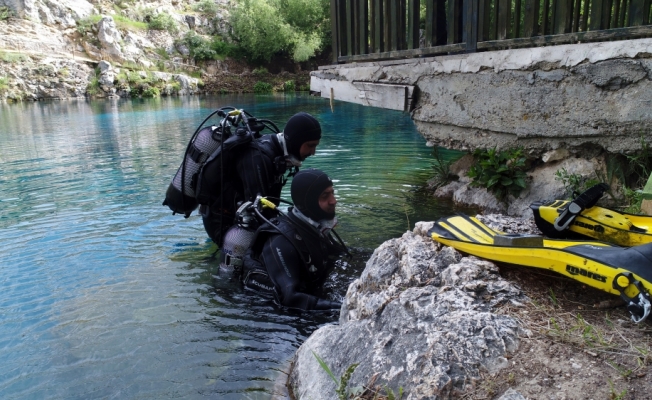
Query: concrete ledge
point(382, 95)
point(584, 98)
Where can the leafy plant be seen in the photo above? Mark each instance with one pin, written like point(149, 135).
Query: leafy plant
point(262, 87)
point(163, 22)
point(4, 83)
point(441, 169)
point(341, 383)
point(298, 28)
point(5, 13)
point(289, 86)
point(85, 25)
point(260, 71)
point(639, 166)
point(501, 172)
point(93, 88)
point(206, 7)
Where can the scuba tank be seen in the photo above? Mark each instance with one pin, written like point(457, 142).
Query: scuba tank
point(239, 238)
point(180, 196)
point(207, 145)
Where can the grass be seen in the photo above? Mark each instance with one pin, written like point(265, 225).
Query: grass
point(4, 83)
point(12, 58)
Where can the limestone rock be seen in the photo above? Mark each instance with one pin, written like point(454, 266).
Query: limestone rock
point(420, 318)
point(110, 38)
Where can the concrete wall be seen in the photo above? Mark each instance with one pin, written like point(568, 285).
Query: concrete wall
point(580, 97)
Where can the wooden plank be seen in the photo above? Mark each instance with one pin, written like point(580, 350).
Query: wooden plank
point(608, 34)
point(585, 16)
point(414, 8)
point(545, 18)
point(387, 24)
point(431, 23)
point(606, 13)
point(504, 10)
point(531, 18)
point(576, 16)
point(471, 24)
point(562, 16)
point(624, 7)
point(638, 12)
point(392, 55)
point(334, 31)
point(615, 20)
point(484, 19)
point(372, 26)
point(596, 15)
point(363, 26)
point(402, 25)
point(343, 33)
point(517, 19)
point(394, 26)
point(378, 26)
point(349, 27)
point(454, 23)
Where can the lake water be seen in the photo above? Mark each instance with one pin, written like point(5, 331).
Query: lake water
point(106, 294)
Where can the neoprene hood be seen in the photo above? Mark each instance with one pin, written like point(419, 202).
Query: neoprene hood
point(301, 128)
point(307, 185)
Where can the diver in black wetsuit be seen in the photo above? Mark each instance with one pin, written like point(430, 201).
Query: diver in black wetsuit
point(293, 255)
point(259, 170)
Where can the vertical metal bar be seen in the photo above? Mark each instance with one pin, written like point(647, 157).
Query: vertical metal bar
point(334, 32)
point(414, 7)
point(349, 28)
point(623, 15)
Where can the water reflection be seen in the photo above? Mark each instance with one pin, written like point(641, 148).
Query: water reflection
point(106, 294)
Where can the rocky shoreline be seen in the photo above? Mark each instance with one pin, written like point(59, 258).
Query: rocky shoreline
point(427, 322)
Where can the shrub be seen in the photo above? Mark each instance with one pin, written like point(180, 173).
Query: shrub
point(4, 83)
point(298, 28)
point(85, 25)
point(259, 29)
point(289, 86)
point(501, 172)
point(262, 87)
point(129, 24)
point(150, 91)
point(5, 13)
point(207, 7)
point(260, 71)
point(93, 87)
point(163, 22)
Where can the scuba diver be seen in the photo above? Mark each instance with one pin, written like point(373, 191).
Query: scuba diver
point(259, 171)
point(293, 254)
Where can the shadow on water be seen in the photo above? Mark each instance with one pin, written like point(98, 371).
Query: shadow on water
point(106, 294)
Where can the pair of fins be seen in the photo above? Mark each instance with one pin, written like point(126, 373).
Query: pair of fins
point(623, 271)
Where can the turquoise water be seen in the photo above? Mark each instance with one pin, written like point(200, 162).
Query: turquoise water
point(106, 294)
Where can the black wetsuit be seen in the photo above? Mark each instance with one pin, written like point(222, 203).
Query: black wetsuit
point(257, 170)
point(292, 266)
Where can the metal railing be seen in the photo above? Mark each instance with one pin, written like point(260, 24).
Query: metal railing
point(369, 30)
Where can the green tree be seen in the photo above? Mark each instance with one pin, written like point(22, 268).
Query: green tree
point(299, 28)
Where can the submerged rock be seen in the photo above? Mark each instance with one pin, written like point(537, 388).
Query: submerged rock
point(421, 317)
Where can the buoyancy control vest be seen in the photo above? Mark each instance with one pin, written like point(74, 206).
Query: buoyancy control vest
point(214, 147)
point(315, 251)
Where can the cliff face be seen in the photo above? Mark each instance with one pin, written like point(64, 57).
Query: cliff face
point(60, 49)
